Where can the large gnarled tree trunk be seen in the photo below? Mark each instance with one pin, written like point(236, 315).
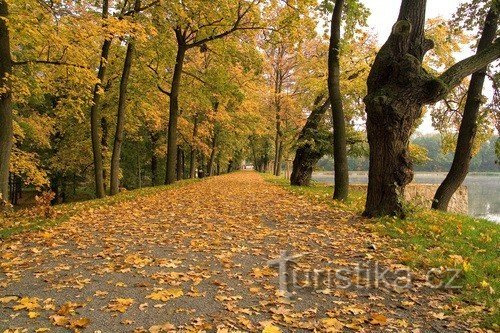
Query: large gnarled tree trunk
point(308, 152)
point(468, 126)
point(341, 167)
point(398, 87)
point(6, 118)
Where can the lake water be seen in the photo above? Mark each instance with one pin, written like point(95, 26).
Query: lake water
point(484, 189)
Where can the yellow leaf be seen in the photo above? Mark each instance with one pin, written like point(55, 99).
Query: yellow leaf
point(33, 314)
point(165, 295)
point(271, 329)
point(79, 323)
point(59, 320)
point(331, 325)
point(27, 303)
point(8, 299)
point(167, 327)
point(378, 319)
point(120, 304)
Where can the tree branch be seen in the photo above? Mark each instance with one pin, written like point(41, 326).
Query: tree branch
point(137, 10)
point(195, 77)
point(166, 92)
point(456, 73)
point(235, 26)
point(48, 62)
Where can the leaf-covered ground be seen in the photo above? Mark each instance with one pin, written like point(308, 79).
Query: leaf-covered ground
point(195, 258)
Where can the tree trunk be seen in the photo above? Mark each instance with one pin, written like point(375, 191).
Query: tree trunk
point(398, 87)
point(392, 110)
point(174, 112)
point(180, 167)
point(192, 157)
point(468, 126)
point(278, 84)
point(183, 164)
point(277, 147)
point(279, 158)
point(192, 163)
point(201, 169)
point(16, 187)
point(154, 169)
point(120, 119)
point(104, 146)
point(308, 154)
point(94, 112)
point(210, 168)
point(6, 118)
point(154, 159)
point(339, 131)
point(139, 168)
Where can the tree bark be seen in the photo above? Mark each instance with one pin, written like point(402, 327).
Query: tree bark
point(201, 169)
point(398, 87)
point(277, 146)
point(154, 159)
point(6, 117)
point(280, 157)
point(278, 84)
point(104, 146)
point(211, 161)
point(308, 152)
point(180, 164)
point(120, 118)
point(94, 112)
point(192, 157)
point(210, 166)
point(468, 126)
point(392, 110)
point(341, 167)
point(174, 110)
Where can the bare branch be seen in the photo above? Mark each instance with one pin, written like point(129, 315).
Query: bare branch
point(166, 92)
point(236, 26)
point(195, 77)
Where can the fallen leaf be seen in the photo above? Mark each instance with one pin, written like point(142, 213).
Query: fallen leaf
point(27, 303)
point(378, 319)
point(271, 329)
point(165, 295)
point(120, 304)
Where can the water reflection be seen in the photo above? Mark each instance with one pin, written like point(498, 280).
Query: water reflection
point(484, 189)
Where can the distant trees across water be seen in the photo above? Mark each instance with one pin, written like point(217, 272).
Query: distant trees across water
point(437, 160)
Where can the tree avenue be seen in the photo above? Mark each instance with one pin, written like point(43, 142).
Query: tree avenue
point(101, 96)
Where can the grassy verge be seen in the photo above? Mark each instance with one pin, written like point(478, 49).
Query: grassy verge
point(15, 223)
point(430, 239)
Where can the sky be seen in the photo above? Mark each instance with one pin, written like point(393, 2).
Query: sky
point(384, 14)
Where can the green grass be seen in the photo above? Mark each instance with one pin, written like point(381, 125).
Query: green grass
point(15, 224)
point(431, 239)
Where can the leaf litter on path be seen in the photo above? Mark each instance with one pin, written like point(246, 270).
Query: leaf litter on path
point(195, 259)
